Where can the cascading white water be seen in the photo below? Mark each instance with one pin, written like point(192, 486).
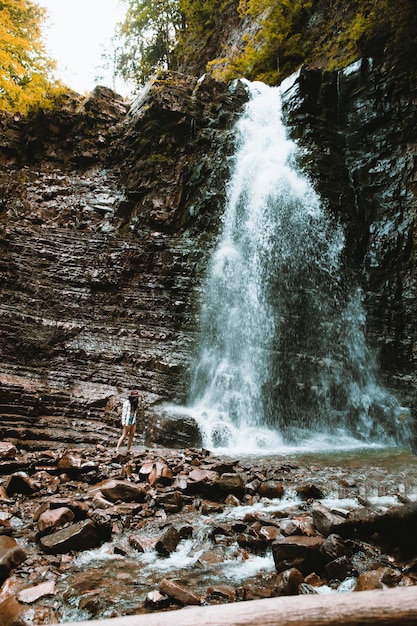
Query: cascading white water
point(282, 355)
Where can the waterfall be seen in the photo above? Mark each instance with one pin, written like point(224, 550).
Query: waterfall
point(282, 357)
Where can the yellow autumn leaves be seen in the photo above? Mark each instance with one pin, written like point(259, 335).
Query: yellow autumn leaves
point(25, 69)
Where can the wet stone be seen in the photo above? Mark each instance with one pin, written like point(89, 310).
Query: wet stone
point(303, 553)
point(9, 559)
point(115, 490)
point(31, 594)
point(232, 483)
point(53, 518)
point(334, 546)
point(172, 502)
point(218, 594)
point(288, 582)
point(179, 592)
point(168, 542)
point(378, 579)
point(80, 536)
point(340, 568)
point(157, 600)
point(310, 491)
point(20, 483)
point(271, 489)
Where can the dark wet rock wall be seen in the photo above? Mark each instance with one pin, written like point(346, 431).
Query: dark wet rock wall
point(108, 213)
point(358, 130)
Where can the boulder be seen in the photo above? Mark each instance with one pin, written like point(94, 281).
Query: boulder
point(168, 542)
point(172, 431)
point(271, 489)
point(80, 536)
point(179, 592)
point(9, 559)
point(288, 581)
point(302, 553)
point(115, 490)
point(53, 518)
point(20, 483)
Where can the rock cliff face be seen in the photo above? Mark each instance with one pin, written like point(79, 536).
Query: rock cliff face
point(358, 127)
point(108, 214)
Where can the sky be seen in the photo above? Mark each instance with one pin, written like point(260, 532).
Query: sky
point(76, 34)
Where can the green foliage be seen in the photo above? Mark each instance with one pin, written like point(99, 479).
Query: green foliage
point(200, 20)
point(149, 33)
point(330, 34)
point(279, 36)
point(25, 68)
point(274, 47)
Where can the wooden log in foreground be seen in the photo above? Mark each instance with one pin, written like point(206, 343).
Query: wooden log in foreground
point(383, 607)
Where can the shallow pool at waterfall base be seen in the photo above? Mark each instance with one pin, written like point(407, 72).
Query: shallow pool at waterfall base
point(209, 558)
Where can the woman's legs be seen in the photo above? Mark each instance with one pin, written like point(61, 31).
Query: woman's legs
point(123, 436)
point(127, 431)
point(131, 435)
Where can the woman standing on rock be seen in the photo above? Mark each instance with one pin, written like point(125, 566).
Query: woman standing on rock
point(131, 410)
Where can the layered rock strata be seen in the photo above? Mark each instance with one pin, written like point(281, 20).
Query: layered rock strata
point(109, 212)
point(104, 211)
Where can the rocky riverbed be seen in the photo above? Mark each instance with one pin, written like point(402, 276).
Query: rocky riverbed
point(86, 532)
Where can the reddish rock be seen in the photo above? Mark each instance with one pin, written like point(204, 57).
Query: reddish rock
point(6, 543)
point(309, 492)
point(378, 579)
point(114, 490)
point(31, 594)
point(172, 502)
point(157, 600)
point(269, 533)
point(9, 559)
point(325, 521)
point(9, 588)
point(7, 450)
point(313, 579)
point(232, 500)
point(334, 547)
point(20, 483)
point(80, 536)
point(340, 568)
point(178, 592)
point(211, 556)
point(302, 553)
point(232, 483)
point(142, 543)
point(168, 542)
point(203, 476)
point(12, 613)
point(254, 542)
point(160, 473)
point(74, 463)
point(271, 489)
point(3, 495)
point(288, 581)
point(217, 594)
point(53, 518)
point(290, 527)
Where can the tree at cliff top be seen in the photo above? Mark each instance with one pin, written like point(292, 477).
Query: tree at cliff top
point(25, 69)
point(157, 33)
point(149, 34)
point(279, 35)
